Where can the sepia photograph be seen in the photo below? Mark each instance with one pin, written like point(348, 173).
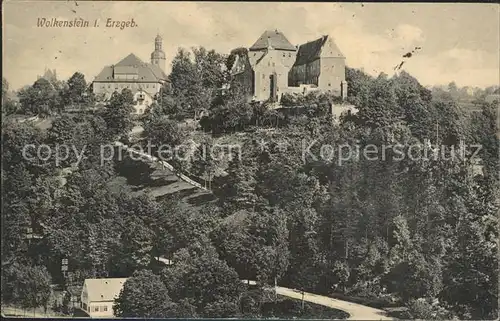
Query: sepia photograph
point(250, 160)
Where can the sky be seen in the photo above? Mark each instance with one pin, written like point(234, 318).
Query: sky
point(459, 42)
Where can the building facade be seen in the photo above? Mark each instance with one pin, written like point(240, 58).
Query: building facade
point(145, 80)
point(98, 296)
point(271, 58)
point(319, 63)
point(279, 67)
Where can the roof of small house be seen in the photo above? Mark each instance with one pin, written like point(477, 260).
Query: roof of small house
point(106, 289)
point(310, 51)
point(132, 65)
point(274, 39)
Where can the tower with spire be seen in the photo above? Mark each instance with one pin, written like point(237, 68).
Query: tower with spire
point(158, 55)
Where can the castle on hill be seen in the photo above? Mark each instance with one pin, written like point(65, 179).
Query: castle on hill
point(273, 66)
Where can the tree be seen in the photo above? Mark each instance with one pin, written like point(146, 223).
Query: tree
point(8, 106)
point(206, 163)
point(206, 282)
point(40, 99)
point(255, 244)
point(28, 286)
point(380, 109)
point(195, 80)
point(187, 84)
point(135, 248)
point(230, 111)
point(117, 114)
point(415, 100)
point(164, 131)
point(180, 225)
point(471, 275)
point(77, 92)
point(359, 84)
point(144, 295)
point(237, 189)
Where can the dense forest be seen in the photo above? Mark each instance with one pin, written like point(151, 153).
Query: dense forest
point(420, 233)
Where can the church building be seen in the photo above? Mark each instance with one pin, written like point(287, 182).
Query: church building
point(144, 79)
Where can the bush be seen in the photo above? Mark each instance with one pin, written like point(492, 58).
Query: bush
point(424, 309)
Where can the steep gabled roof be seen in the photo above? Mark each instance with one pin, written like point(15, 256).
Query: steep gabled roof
point(311, 51)
point(103, 289)
point(158, 72)
point(106, 74)
point(132, 65)
point(130, 60)
point(274, 39)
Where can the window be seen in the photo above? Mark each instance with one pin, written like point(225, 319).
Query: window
point(289, 55)
point(105, 308)
point(329, 85)
point(283, 55)
point(109, 86)
point(96, 309)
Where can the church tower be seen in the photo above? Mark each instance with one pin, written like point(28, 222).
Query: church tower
point(158, 56)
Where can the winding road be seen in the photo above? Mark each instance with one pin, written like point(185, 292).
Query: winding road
point(356, 311)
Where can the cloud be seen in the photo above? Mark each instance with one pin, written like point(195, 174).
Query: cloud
point(408, 35)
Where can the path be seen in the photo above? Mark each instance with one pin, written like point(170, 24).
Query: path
point(164, 164)
point(356, 311)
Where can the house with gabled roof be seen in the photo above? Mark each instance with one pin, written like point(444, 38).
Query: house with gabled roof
point(144, 79)
point(98, 296)
point(278, 67)
point(320, 63)
point(271, 58)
